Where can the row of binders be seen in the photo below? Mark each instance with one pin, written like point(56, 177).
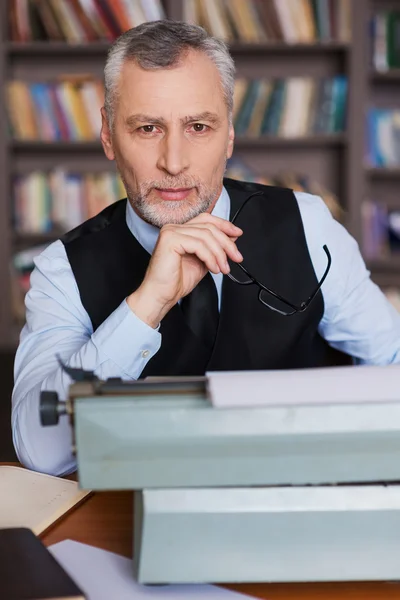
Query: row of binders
point(292, 107)
point(385, 30)
point(78, 21)
point(383, 138)
point(60, 201)
point(260, 21)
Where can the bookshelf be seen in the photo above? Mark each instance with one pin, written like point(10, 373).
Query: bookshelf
point(337, 160)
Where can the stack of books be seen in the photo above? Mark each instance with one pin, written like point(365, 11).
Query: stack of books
point(68, 109)
point(78, 21)
point(260, 21)
point(383, 138)
point(292, 107)
point(59, 200)
point(385, 29)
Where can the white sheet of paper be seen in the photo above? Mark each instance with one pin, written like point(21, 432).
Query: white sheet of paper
point(104, 575)
point(348, 385)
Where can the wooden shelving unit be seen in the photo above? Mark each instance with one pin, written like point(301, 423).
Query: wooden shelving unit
point(385, 77)
point(100, 48)
point(316, 141)
point(336, 161)
point(386, 174)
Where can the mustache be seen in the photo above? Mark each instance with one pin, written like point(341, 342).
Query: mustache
point(170, 184)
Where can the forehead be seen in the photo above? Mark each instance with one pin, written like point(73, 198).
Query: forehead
point(192, 85)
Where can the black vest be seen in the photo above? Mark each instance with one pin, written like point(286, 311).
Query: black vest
point(109, 264)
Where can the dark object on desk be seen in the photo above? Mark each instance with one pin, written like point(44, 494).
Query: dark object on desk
point(28, 571)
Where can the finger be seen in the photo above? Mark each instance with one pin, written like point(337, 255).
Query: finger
point(186, 244)
point(227, 243)
point(222, 224)
point(212, 243)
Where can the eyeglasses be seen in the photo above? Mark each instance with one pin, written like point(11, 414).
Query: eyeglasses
point(265, 295)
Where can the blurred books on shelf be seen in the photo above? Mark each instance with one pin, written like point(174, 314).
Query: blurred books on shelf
point(67, 109)
point(238, 169)
point(381, 230)
point(78, 21)
point(60, 201)
point(385, 38)
point(291, 107)
point(263, 21)
point(21, 268)
point(393, 295)
point(383, 148)
point(374, 230)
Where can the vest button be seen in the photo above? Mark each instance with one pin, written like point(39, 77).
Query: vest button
point(145, 353)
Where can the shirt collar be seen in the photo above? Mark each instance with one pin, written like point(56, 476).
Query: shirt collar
point(147, 234)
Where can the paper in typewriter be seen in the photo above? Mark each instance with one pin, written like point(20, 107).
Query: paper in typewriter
point(334, 385)
point(34, 500)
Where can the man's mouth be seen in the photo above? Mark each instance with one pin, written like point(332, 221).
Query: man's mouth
point(173, 193)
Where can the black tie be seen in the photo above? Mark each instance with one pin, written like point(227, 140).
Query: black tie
point(200, 309)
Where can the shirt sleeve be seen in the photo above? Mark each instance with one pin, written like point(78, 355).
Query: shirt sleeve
point(358, 319)
point(57, 324)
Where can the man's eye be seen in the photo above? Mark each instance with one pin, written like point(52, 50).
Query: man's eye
point(148, 128)
point(199, 127)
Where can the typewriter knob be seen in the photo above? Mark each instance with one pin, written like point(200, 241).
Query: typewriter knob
point(50, 408)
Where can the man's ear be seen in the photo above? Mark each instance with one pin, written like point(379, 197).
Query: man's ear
point(231, 140)
point(105, 136)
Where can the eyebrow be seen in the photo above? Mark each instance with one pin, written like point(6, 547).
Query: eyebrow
point(142, 118)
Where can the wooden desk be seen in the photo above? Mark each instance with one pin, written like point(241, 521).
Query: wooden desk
point(105, 521)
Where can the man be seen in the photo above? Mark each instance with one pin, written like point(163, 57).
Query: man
point(115, 295)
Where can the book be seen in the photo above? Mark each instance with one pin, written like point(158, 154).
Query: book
point(35, 500)
point(383, 148)
point(29, 571)
point(385, 33)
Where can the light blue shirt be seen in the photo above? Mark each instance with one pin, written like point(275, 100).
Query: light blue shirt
point(357, 319)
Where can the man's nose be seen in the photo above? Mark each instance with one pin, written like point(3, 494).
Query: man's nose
point(174, 154)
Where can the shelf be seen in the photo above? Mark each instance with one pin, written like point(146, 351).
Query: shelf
point(392, 75)
point(384, 173)
point(284, 48)
point(55, 49)
point(62, 146)
point(384, 265)
point(27, 240)
point(100, 48)
point(314, 141)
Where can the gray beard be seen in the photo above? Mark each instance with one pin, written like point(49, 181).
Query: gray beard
point(167, 212)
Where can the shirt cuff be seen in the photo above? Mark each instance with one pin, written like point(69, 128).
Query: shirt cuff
point(127, 340)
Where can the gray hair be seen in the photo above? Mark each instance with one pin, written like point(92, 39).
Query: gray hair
point(161, 44)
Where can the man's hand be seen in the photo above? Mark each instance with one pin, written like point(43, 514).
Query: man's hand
point(182, 256)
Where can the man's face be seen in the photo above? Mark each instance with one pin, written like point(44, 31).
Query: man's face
point(171, 138)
